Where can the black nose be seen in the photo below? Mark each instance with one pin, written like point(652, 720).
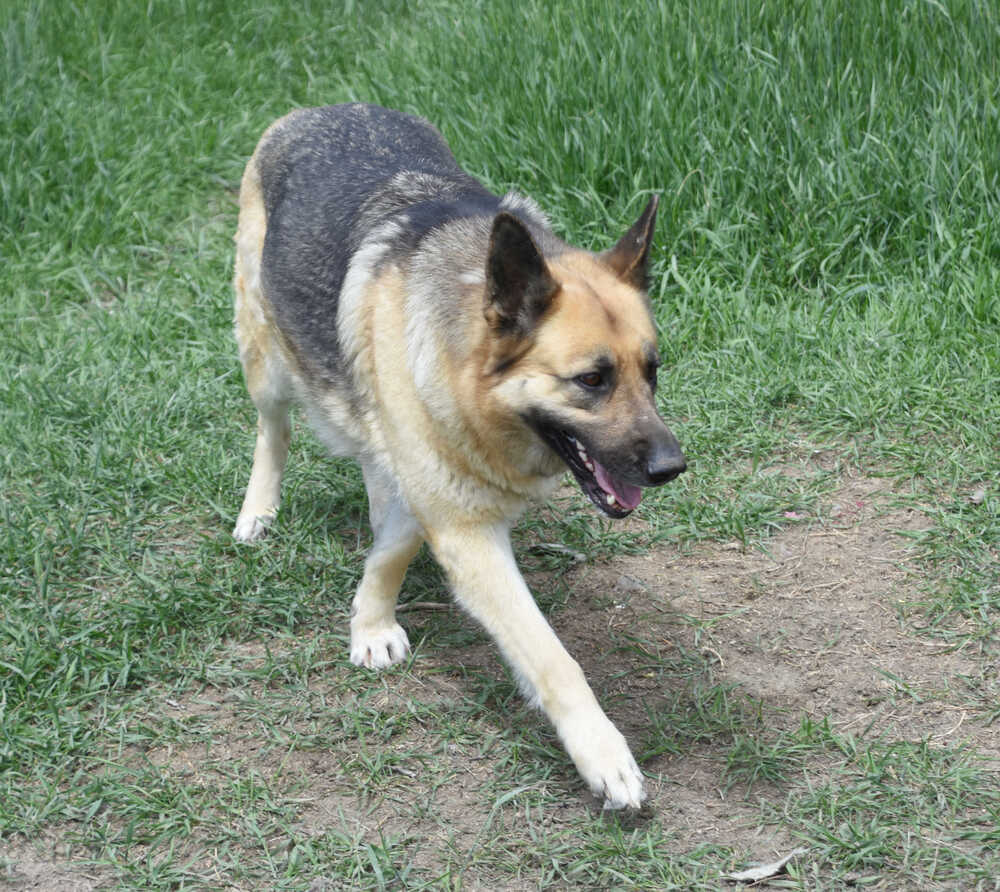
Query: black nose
point(665, 461)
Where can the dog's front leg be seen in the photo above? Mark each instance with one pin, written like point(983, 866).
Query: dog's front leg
point(487, 583)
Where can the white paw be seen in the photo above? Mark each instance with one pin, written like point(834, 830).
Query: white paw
point(379, 647)
point(250, 526)
point(603, 759)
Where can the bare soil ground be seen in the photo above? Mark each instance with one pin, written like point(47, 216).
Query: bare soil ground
point(808, 627)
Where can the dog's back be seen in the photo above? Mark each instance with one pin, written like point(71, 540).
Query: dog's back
point(329, 178)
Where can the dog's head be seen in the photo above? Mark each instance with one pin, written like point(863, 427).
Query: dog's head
point(574, 356)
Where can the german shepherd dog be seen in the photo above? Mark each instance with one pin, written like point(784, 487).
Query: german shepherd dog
point(465, 356)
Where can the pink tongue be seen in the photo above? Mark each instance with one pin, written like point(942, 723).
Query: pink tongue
point(627, 495)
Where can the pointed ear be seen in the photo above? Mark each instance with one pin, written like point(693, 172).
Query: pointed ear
point(629, 259)
point(519, 286)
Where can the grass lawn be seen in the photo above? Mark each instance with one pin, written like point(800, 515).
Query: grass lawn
point(799, 637)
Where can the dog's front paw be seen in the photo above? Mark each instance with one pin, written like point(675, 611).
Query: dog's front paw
point(251, 526)
point(604, 761)
point(378, 647)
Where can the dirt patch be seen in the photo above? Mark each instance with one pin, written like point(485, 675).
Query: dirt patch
point(36, 866)
point(809, 625)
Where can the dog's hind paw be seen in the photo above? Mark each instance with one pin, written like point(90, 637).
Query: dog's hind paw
point(379, 647)
point(250, 527)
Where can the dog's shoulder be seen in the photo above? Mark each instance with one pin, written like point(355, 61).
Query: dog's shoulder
point(332, 179)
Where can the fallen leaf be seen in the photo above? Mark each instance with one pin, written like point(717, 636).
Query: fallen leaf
point(763, 871)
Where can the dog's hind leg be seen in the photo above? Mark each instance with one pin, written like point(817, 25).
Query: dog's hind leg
point(260, 505)
point(264, 367)
point(377, 640)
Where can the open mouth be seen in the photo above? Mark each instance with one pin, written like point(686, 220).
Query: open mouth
point(614, 497)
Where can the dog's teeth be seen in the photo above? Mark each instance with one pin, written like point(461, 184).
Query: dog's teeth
point(590, 466)
point(611, 500)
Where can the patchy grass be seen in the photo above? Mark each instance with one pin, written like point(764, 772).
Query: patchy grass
point(799, 636)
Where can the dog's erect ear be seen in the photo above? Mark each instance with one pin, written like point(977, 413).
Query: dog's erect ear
point(629, 259)
point(519, 286)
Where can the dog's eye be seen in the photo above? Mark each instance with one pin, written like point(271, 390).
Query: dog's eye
point(590, 380)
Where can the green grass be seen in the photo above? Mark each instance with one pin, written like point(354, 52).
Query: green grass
point(827, 276)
